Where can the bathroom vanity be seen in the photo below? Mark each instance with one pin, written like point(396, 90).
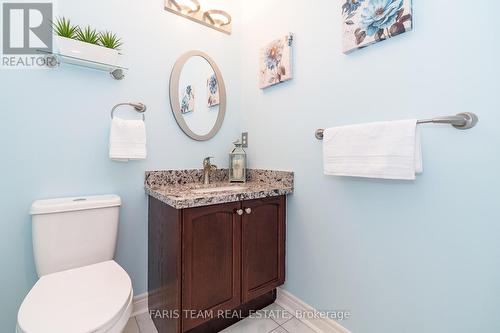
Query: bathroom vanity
point(216, 252)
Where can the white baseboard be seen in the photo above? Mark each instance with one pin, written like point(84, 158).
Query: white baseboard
point(293, 304)
point(140, 304)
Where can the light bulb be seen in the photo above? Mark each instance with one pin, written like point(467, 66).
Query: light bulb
point(186, 6)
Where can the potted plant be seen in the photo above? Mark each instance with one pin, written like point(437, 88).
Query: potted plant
point(87, 43)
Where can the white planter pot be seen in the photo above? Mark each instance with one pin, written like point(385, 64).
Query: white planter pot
point(81, 50)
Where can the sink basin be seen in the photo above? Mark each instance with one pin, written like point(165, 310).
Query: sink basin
point(220, 189)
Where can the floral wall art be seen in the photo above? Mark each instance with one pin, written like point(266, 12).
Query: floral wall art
point(371, 21)
point(187, 102)
point(276, 62)
point(213, 91)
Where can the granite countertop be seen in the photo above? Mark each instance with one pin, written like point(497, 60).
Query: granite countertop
point(177, 188)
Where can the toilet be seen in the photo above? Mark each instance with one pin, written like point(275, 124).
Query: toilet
point(80, 288)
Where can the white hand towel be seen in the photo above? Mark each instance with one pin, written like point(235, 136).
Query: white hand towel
point(127, 140)
point(388, 150)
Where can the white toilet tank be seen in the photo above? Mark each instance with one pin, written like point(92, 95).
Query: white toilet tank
point(74, 232)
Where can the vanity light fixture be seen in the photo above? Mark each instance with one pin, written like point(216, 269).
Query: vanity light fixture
point(191, 9)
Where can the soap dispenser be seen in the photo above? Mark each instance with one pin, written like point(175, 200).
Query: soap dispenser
point(238, 164)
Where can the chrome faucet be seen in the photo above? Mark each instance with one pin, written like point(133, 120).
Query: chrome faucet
point(208, 167)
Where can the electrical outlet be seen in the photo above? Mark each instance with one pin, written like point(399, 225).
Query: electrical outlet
point(244, 140)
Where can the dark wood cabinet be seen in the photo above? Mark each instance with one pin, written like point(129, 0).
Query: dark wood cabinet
point(263, 246)
point(205, 261)
point(211, 252)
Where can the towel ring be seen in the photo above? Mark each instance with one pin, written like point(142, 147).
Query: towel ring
point(139, 107)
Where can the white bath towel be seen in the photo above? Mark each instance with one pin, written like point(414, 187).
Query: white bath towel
point(388, 150)
point(127, 140)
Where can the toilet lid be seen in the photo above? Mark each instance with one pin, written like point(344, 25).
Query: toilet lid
point(80, 300)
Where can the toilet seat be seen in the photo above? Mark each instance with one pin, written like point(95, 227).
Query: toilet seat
point(90, 299)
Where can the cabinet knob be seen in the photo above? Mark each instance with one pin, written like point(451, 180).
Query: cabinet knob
point(239, 212)
point(248, 211)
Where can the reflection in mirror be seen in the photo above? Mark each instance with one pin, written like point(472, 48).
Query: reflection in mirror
point(199, 95)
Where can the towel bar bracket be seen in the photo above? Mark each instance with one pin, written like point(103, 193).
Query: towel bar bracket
point(461, 121)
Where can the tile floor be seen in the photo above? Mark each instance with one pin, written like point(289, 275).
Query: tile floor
point(281, 322)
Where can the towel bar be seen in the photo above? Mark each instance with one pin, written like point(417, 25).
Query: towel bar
point(139, 107)
point(461, 121)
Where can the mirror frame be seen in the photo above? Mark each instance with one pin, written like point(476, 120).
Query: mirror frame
point(174, 95)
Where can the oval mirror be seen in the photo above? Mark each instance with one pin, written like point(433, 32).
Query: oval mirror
point(198, 95)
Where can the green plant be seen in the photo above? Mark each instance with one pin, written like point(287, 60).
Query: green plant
point(110, 40)
point(63, 27)
point(88, 35)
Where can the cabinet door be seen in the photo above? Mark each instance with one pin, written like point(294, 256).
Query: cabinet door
point(211, 262)
point(263, 246)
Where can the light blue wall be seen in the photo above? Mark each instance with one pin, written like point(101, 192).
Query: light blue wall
point(55, 125)
point(403, 257)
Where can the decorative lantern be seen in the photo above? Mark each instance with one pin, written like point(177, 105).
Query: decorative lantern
point(238, 164)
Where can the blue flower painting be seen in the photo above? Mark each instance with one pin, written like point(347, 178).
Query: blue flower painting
point(187, 102)
point(371, 21)
point(213, 91)
point(276, 62)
